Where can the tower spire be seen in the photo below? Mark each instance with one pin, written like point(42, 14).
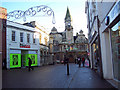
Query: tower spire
point(67, 14)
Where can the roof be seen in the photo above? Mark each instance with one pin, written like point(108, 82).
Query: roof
point(54, 29)
point(75, 37)
point(28, 24)
point(67, 14)
point(81, 31)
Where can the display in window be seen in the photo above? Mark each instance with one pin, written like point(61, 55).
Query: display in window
point(15, 59)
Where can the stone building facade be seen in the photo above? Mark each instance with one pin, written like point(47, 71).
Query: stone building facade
point(65, 44)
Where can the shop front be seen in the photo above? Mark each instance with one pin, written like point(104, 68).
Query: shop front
point(95, 56)
point(111, 33)
point(115, 43)
point(19, 58)
point(24, 58)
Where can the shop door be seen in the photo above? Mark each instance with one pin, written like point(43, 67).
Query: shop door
point(24, 57)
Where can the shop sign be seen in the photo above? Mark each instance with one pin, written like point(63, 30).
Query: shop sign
point(114, 12)
point(107, 20)
point(24, 46)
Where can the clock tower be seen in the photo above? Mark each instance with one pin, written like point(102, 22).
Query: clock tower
point(68, 27)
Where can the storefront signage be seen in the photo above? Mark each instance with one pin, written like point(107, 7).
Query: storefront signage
point(114, 12)
point(107, 20)
point(24, 46)
point(15, 60)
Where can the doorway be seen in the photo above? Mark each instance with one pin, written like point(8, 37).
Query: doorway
point(23, 58)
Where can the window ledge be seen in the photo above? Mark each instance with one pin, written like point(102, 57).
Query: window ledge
point(14, 41)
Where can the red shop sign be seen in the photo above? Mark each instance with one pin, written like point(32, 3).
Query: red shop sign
point(24, 46)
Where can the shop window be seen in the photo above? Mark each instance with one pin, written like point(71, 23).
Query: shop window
point(115, 42)
point(13, 35)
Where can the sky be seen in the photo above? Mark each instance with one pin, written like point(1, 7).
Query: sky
point(76, 7)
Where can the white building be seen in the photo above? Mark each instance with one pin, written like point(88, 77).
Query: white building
point(43, 41)
point(22, 42)
point(104, 21)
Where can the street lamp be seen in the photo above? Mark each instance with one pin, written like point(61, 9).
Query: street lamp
point(67, 62)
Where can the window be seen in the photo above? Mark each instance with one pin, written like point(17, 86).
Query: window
point(21, 37)
point(115, 43)
point(34, 36)
point(13, 35)
point(28, 38)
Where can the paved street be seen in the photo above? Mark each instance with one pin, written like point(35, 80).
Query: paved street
point(53, 76)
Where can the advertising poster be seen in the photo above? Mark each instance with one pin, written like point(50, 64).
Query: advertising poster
point(15, 60)
point(33, 57)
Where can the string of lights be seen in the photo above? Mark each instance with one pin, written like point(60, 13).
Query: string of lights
point(17, 14)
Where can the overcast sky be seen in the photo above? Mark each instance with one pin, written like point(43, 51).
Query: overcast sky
point(76, 7)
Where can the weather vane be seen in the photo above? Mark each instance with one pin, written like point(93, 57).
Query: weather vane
point(17, 14)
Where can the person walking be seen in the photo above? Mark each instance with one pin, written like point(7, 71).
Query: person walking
point(30, 62)
point(64, 60)
point(83, 61)
point(75, 60)
point(79, 61)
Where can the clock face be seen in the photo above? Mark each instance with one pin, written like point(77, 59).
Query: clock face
point(68, 24)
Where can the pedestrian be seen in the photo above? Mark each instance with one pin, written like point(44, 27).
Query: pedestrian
point(75, 60)
point(30, 62)
point(83, 61)
point(79, 61)
point(4, 64)
point(64, 60)
point(89, 62)
point(67, 60)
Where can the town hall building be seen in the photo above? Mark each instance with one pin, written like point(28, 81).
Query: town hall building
point(63, 44)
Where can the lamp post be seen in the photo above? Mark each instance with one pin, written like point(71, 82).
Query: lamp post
point(67, 61)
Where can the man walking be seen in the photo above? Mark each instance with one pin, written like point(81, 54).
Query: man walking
point(79, 61)
point(75, 60)
point(83, 61)
point(30, 62)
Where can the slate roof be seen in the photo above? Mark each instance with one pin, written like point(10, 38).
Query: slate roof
point(28, 24)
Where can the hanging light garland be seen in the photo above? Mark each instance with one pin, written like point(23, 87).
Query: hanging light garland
point(18, 14)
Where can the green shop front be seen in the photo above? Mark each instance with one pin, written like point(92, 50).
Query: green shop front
point(19, 58)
